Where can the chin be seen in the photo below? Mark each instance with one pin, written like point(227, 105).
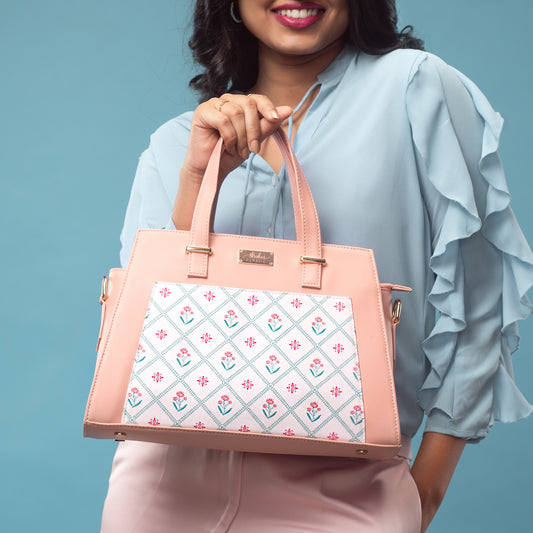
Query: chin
point(302, 48)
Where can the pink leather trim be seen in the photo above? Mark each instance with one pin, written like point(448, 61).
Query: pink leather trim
point(158, 255)
point(249, 442)
point(114, 283)
point(386, 300)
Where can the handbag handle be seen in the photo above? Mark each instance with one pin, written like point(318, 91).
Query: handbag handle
point(306, 217)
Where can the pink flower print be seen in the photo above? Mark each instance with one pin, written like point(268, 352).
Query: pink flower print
point(272, 364)
point(228, 361)
point(206, 338)
point(199, 425)
point(339, 306)
point(357, 372)
point(274, 322)
point(288, 432)
point(244, 429)
point(292, 388)
point(294, 344)
point(203, 381)
point(336, 391)
point(312, 412)
point(157, 377)
point(179, 401)
point(134, 397)
point(186, 315)
point(209, 295)
point(253, 300)
point(338, 348)
point(230, 318)
point(356, 415)
point(183, 357)
point(333, 436)
point(161, 334)
point(224, 404)
point(247, 384)
point(318, 326)
point(317, 368)
point(140, 354)
point(164, 292)
point(154, 422)
point(250, 342)
point(296, 303)
point(269, 408)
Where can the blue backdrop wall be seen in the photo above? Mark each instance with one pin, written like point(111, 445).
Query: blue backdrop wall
point(82, 85)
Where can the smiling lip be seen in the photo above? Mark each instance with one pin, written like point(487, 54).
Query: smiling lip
point(298, 23)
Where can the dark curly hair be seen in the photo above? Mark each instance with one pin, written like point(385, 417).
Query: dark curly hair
point(228, 51)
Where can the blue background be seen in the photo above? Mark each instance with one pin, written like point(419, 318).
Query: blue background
point(82, 85)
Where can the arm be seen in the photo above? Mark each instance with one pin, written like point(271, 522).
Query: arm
point(432, 470)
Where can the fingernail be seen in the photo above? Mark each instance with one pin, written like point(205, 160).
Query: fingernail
point(274, 114)
point(245, 153)
point(254, 146)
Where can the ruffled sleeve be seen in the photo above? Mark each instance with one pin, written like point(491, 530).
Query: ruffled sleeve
point(481, 262)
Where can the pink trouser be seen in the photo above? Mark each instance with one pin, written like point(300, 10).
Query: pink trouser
point(155, 488)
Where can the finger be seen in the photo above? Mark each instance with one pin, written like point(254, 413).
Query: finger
point(235, 113)
point(253, 128)
point(265, 107)
point(269, 127)
point(224, 125)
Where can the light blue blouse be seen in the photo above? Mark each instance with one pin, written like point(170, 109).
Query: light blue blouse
point(389, 171)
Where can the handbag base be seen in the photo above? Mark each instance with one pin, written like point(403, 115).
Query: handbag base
point(237, 441)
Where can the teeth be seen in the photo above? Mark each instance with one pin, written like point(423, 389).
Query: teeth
point(297, 13)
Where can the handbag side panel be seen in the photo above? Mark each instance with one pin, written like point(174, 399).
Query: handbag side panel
point(158, 255)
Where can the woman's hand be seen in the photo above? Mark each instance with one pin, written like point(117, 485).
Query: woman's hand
point(432, 470)
point(243, 122)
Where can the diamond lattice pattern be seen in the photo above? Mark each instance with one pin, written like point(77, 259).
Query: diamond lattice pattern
point(248, 360)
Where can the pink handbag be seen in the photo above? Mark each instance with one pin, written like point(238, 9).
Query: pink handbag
point(247, 343)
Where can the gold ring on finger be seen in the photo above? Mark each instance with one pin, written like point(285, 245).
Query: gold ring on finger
point(222, 102)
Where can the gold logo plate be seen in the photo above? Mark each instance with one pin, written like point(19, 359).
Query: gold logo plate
point(256, 257)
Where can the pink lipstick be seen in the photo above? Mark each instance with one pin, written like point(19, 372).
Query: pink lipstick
point(298, 15)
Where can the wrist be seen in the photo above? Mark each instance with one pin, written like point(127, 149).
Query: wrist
point(191, 176)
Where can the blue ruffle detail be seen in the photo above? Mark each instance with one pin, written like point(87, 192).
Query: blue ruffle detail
point(467, 199)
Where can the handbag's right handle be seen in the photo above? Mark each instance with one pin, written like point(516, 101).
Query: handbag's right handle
point(306, 217)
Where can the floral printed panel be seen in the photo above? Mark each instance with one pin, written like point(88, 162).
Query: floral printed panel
point(248, 360)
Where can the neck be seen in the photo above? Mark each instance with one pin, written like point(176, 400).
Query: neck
point(285, 78)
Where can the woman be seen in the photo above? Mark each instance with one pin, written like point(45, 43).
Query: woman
point(399, 161)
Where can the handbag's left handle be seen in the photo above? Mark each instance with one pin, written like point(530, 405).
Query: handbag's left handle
point(306, 217)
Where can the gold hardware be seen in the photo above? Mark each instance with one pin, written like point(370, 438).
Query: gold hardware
point(362, 452)
point(256, 257)
point(307, 259)
point(198, 249)
point(396, 311)
point(103, 295)
point(119, 435)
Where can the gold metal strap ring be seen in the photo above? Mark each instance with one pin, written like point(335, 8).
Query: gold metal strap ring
point(396, 311)
point(103, 294)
